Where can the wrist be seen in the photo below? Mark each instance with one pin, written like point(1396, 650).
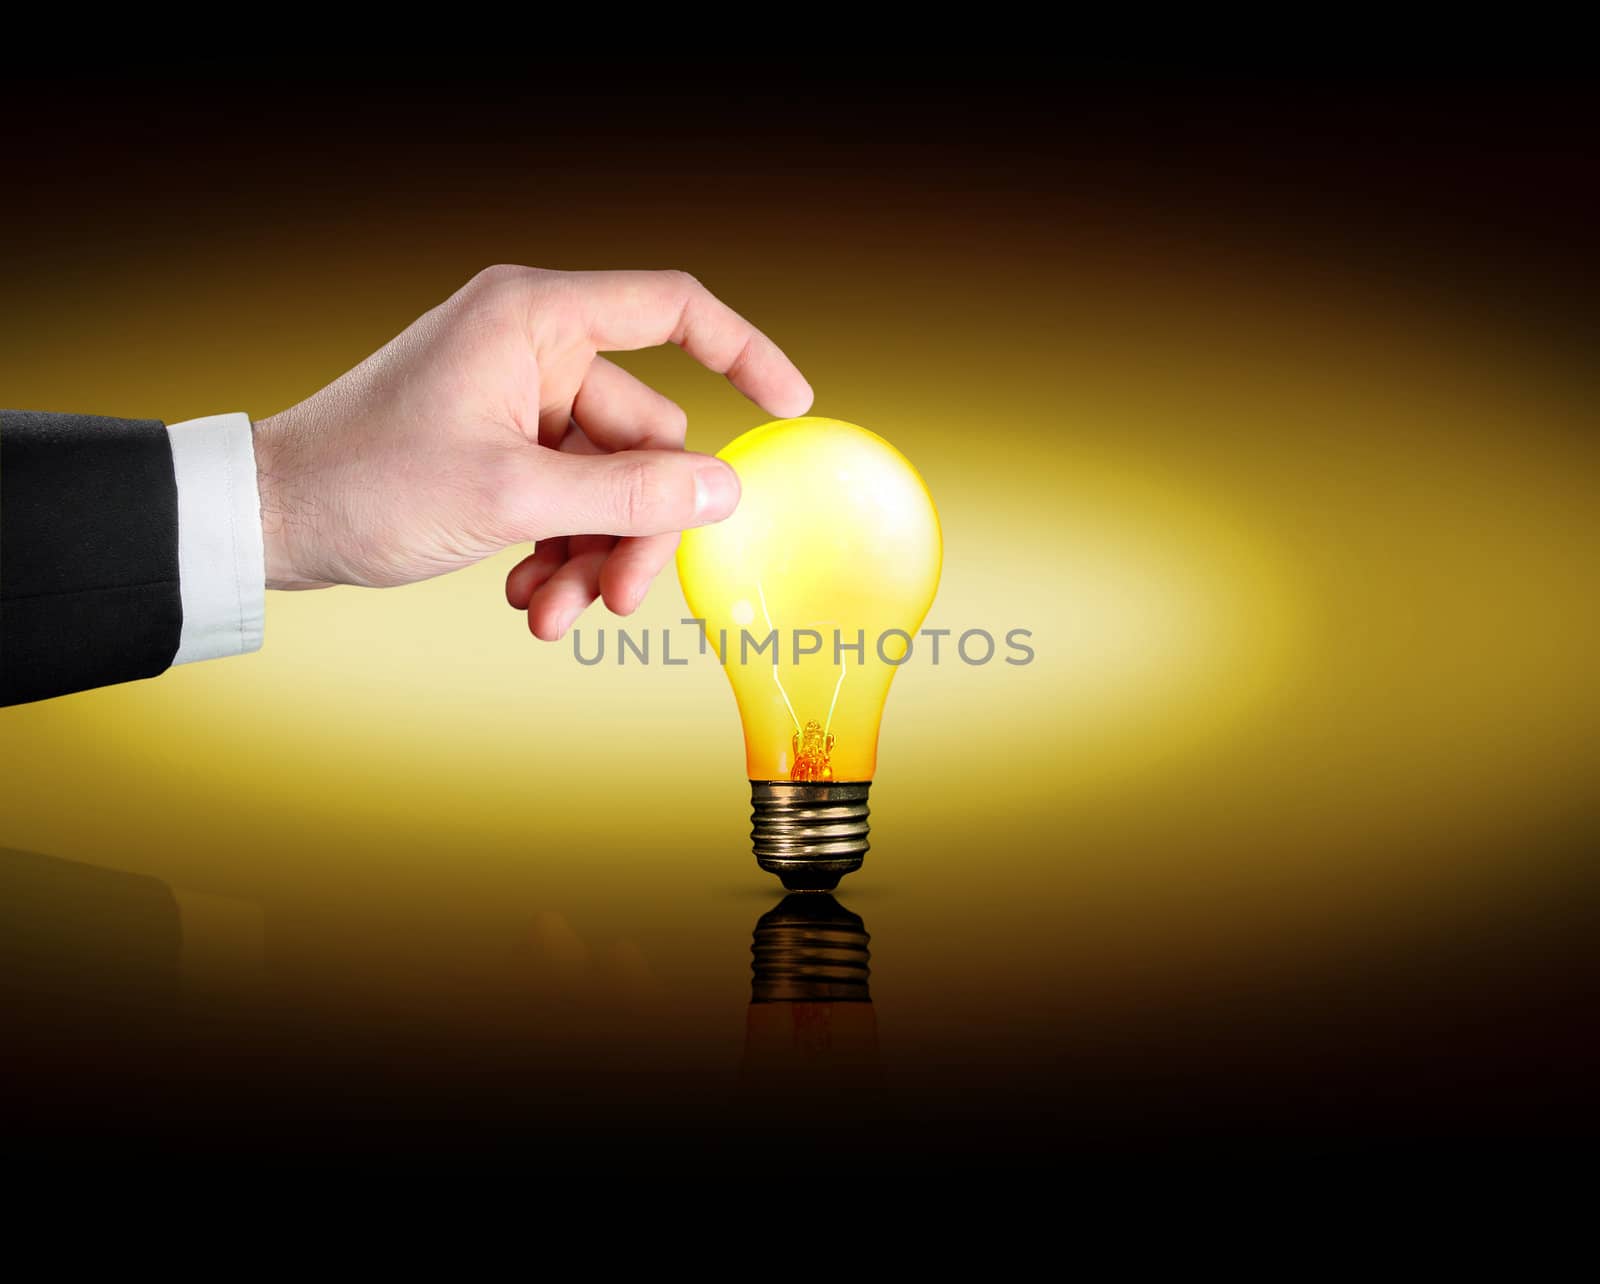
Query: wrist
point(282, 521)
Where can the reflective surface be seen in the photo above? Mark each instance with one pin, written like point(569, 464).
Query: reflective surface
point(446, 1020)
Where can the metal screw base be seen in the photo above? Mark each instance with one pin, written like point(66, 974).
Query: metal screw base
point(809, 949)
point(809, 835)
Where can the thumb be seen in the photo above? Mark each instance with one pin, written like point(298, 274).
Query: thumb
point(632, 492)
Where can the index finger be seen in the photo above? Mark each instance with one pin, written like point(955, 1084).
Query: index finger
point(624, 311)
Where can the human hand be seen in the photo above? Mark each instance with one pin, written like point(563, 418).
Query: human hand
point(492, 420)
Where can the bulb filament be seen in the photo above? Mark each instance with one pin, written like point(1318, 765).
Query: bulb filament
point(811, 745)
point(812, 748)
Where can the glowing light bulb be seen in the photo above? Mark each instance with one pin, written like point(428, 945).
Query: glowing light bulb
point(811, 595)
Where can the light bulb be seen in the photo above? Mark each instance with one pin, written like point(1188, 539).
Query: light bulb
point(811, 594)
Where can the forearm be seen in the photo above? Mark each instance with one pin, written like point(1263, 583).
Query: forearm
point(125, 546)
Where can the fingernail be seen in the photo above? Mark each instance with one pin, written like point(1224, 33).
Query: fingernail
point(716, 492)
point(565, 621)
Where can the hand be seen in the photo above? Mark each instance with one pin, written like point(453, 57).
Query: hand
point(492, 421)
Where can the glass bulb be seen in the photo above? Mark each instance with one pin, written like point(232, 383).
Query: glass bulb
point(811, 594)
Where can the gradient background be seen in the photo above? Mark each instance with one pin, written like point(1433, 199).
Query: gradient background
point(1267, 406)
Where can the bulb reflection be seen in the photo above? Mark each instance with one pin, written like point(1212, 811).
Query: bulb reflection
point(811, 1029)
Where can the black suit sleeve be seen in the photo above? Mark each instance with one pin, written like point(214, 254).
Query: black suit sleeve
point(88, 553)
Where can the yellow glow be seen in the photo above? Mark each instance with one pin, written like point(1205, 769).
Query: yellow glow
point(1308, 558)
point(835, 534)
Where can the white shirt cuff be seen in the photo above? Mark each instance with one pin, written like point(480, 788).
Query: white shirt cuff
point(221, 573)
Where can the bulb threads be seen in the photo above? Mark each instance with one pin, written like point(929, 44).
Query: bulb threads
point(809, 834)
